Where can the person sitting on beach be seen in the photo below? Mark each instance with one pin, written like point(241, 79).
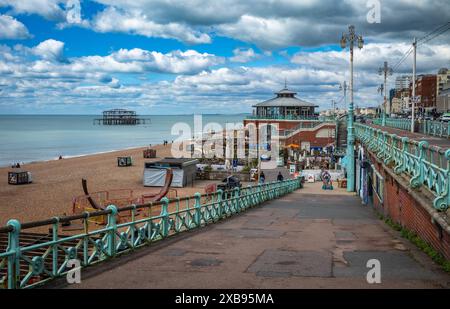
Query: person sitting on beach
point(17, 165)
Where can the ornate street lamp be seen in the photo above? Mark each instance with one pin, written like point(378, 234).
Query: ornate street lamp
point(384, 70)
point(350, 39)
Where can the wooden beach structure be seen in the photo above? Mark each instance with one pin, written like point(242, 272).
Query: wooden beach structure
point(120, 116)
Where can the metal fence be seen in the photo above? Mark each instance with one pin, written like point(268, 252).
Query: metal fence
point(29, 259)
point(428, 166)
point(283, 117)
point(428, 127)
point(403, 124)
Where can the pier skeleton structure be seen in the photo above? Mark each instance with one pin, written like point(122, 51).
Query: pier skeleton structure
point(119, 116)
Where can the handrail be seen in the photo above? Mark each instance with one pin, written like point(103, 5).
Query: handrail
point(26, 264)
point(428, 166)
point(428, 127)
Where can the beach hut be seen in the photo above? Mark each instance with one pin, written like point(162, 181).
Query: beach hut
point(184, 170)
point(149, 153)
point(19, 178)
point(124, 161)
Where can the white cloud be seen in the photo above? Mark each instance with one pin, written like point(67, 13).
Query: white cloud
point(50, 50)
point(11, 28)
point(138, 61)
point(243, 55)
point(114, 20)
point(49, 9)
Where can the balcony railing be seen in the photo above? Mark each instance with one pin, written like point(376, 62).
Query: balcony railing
point(282, 117)
point(30, 259)
point(427, 166)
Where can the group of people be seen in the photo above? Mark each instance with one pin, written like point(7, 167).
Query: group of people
point(165, 143)
point(262, 177)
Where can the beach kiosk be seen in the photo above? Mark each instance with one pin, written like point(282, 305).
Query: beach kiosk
point(124, 161)
point(184, 170)
point(19, 178)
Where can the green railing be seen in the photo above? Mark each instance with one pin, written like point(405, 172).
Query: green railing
point(428, 127)
point(403, 124)
point(26, 262)
point(282, 117)
point(435, 128)
point(306, 125)
point(427, 166)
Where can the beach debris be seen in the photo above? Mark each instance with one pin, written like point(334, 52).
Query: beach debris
point(124, 161)
point(19, 178)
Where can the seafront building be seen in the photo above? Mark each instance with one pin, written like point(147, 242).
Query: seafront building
point(297, 121)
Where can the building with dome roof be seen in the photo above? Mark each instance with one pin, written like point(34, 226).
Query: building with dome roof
point(297, 121)
point(285, 106)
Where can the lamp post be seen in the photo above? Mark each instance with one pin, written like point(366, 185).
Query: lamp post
point(344, 87)
point(350, 39)
point(380, 91)
point(384, 70)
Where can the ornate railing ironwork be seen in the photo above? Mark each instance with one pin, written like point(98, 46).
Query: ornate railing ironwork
point(428, 127)
point(283, 117)
point(27, 261)
point(428, 166)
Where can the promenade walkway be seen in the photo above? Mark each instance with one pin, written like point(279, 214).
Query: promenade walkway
point(308, 239)
point(432, 140)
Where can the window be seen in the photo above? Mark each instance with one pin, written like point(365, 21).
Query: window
point(378, 183)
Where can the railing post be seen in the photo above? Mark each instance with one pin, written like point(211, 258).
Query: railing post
point(219, 203)
point(237, 197)
point(417, 180)
point(112, 229)
point(197, 206)
point(442, 202)
point(55, 247)
point(14, 258)
point(165, 225)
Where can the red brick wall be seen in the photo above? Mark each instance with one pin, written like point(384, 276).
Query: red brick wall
point(310, 136)
point(304, 136)
point(403, 209)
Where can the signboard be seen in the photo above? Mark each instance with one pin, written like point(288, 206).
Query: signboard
point(291, 169)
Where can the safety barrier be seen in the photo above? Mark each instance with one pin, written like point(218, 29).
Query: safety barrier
point(428, 127)
point(427, 166)
point(28, 260)
point(402, 124)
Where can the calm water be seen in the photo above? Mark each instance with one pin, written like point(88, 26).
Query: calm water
point(27, 138)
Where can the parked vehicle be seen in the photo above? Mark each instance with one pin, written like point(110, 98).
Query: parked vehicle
point(229, 183)
point(445, 117)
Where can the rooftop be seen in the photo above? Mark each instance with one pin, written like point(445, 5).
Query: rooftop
point(285, 97)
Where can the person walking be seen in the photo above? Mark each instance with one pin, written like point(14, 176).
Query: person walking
point(262, 177)
point(280, 177)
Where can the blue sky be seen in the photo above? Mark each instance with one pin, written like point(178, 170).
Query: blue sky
point(182, 57)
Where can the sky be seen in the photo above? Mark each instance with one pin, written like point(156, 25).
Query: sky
point(192, 56)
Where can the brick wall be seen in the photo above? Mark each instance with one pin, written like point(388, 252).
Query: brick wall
point(405, 210)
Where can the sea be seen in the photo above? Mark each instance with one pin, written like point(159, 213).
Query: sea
point(31, 138)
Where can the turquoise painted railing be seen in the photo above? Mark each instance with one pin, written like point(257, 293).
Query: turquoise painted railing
point(428, 127)
point(403, 124)
point(435, 128)
point(25, 264)
point(427, 166)
point(282, 117)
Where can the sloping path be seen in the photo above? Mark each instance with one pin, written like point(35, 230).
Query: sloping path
point(307, 239)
